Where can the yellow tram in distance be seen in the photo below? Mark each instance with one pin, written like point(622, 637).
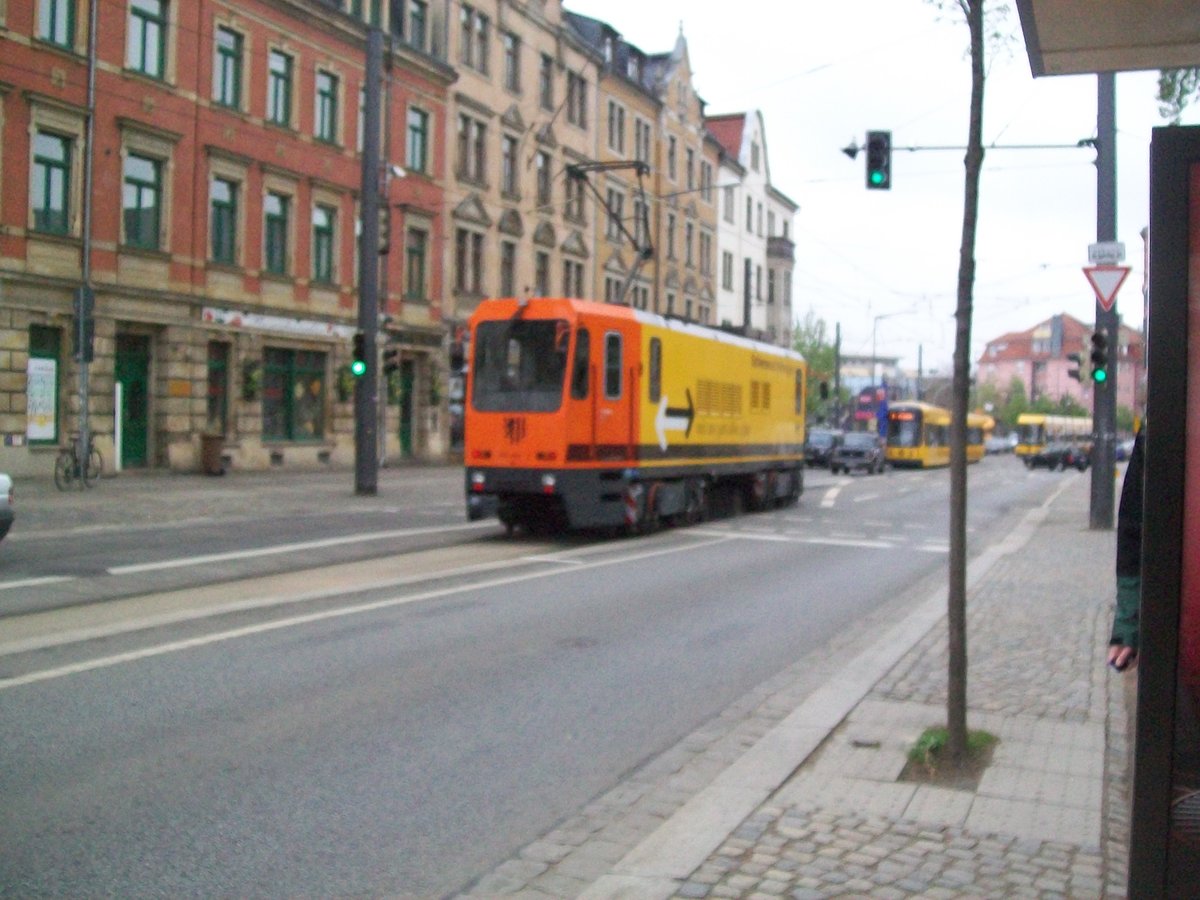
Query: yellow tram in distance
point(591, 415)
point(1036, 430)
point(918, 435)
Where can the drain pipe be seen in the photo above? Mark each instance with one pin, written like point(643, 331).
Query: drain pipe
point(85, 304)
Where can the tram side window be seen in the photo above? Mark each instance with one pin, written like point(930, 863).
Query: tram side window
point(799, 392)
point(612, 366)
point(579, 375)
point(655, 369)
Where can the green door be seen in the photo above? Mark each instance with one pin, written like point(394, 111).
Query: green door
point(406, 408)
point(133, 374)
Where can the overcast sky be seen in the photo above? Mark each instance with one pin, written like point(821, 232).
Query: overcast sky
point(884, 264)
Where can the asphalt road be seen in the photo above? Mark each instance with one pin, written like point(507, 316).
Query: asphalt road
point(406, 739)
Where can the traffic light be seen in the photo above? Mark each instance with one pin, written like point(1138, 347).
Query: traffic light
point(391, 360)
point(879, 160)
point(1099, 357)
point(358, 360)
point(1076, 358)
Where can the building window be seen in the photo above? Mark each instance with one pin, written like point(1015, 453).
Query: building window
point(508, 269)
point(706, 182)
point(689, 239)
point(770, 286)
point(760, 220)
point(146, 40)
point(572, 278)
point(415, 244)
point(690, 174)
point(275, 233)
point(279, 88)
point(508, 165)
point(754, 155)
point(705, 253)
point(293, 395)
point(417, 148)
point(616, 212)
point(473, 39)
point(574, 209)
point(323, 225)
point(670, 235)
point(141, 202)
point(642, 141)
point(512, 62)
point(576, 100)
point(223, 196)
point(227, 69)
point(749, 215)
point(616, 126)
point(730, 201)
point(546, 82)
point(472, 144)
point(541, 273)
point(51, 183)
point(56, 22)
point(543, 178)
point(468, 261)
point(218, 388)
point(325, 115)
point(672, 156)
point(418, 23)
point(727, 270)
point(639, 222)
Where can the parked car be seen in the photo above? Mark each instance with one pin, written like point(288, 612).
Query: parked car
point(1059, 456)
point(6, 504)
point(819, 446)
point(858, 450)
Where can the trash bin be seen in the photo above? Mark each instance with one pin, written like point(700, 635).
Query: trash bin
point(211, 446)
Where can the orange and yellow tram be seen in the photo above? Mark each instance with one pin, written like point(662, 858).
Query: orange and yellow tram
point(589, 415)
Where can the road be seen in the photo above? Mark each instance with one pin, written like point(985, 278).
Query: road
point(416, 719)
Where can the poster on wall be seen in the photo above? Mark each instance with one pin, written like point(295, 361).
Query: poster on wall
point(41, 399)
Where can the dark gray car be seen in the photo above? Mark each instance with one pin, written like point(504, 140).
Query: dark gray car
point(820, 444)
point(859, 450)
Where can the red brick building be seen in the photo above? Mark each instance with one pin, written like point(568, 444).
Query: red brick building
point(1038, 357)
point(219, 231)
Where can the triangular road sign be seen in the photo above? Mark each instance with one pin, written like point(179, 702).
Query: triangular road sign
point(1106, 281)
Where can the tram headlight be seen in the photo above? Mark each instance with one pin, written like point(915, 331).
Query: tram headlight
point(477, 482)
point(548, 483)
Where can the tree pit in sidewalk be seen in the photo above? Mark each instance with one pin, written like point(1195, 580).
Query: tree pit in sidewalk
point(928, 762)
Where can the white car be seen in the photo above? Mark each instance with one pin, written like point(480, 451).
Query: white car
point(6, 504)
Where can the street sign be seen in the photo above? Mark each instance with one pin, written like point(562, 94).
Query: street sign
point(1106, 281)
point(1106, 253)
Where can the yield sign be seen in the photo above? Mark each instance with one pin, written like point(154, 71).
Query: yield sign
point(1106, 281)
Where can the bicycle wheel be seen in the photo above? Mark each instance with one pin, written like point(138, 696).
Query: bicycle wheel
point(64, 470)
point(95, 465)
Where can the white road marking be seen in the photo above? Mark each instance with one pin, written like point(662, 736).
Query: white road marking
point(323, 615)
point(185, 561)
point(34, 582)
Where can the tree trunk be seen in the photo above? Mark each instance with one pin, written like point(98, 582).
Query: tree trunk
point(956, 693)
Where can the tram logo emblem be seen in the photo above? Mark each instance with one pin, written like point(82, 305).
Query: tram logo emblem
point(514, 429)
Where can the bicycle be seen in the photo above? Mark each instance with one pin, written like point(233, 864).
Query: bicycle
point(69, 467)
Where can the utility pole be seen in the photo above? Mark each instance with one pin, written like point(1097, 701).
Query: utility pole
point(366, 388)
point(1104, 393)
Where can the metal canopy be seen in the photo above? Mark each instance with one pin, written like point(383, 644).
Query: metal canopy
point(1075, 37)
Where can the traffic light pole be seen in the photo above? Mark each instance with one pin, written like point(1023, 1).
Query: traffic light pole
point(1104, 393)
point(366, 388)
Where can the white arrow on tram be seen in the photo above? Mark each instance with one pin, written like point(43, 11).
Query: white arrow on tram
point(673, 419)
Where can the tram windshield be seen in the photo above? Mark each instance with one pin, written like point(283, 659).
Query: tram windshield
point(904, 429)
point(1031, 433)
point(519, 365)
